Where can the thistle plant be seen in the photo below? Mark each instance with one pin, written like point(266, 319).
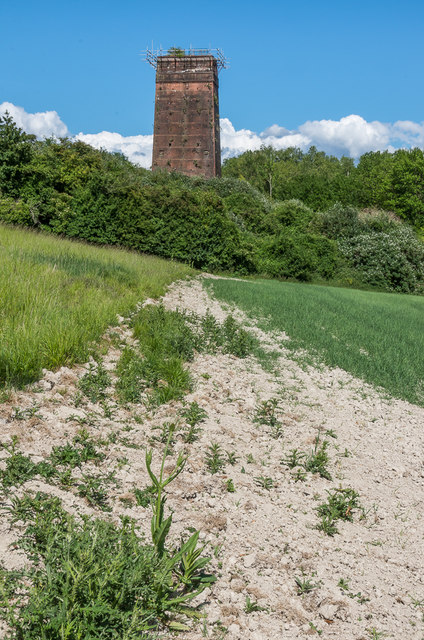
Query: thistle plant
point(184, 565)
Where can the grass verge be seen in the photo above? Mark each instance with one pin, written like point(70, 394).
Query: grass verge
point(58, 297)
point(374, 336)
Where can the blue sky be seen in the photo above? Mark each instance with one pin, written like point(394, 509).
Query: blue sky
point(290, 63)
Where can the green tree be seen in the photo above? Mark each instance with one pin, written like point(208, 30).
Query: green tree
point(407, 186)
point(16, 148)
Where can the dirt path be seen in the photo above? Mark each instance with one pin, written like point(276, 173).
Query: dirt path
point(366, 580)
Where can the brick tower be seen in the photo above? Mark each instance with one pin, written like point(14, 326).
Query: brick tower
point(186, 131)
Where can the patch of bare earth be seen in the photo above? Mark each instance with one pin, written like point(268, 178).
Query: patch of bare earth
point(367, 580)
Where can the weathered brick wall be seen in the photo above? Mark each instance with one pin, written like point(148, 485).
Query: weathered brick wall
point(186, 131)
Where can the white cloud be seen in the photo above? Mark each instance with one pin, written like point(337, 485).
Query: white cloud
point(138, 149)
point(351, 135)
point(42, 125)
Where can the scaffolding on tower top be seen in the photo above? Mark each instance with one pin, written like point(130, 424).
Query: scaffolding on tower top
point(151, 55)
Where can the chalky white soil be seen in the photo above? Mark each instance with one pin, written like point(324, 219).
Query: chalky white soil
point(262, 540)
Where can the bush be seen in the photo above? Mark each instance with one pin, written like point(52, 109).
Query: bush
point(299, 255)
point(15, 212)
point(290, 213)
point(392, 261)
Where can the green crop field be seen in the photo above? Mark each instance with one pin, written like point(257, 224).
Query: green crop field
point(57, 297)
point(378, 337)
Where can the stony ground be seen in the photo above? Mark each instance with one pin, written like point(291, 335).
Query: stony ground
point(366, 581)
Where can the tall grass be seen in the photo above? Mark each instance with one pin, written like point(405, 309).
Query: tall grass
point(378, 337)
point(57, 297)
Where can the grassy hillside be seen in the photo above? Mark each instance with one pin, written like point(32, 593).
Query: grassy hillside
point(57, 297)
point(376, 336)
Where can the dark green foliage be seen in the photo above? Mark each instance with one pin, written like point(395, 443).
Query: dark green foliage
point(296, 254)
point(339, 506)
point(267, 227)
point(214, 458)
point(194, 415)
point(94, 382)
point(95, 489)
point(229, 336)
point(73, 594)
point(317, 460)
point(313, 177)
point(20, 468)
point(237, 340)
point(16, 150)
point(144, 497)
point(165, 343)
point(289, 213)
point(82, 450)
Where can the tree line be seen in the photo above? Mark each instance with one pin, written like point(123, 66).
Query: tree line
point(381, 179)
point(282, 214)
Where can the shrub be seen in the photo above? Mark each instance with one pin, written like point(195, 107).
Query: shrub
point(295, 254)
point(290, 213)
point(393, 260)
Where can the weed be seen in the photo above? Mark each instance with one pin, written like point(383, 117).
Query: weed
point(343, 584)
point(78, 399)
point(250, 459)
point(314, 462)
point(26, 414)
point(126, 442)
point(317, 460)
point(186, 562)
point(214, 458)
point(228, 336)
point(251, 606)
point(131, 376)
point(67, 593)
point(93, 489)
point(232, 457)
point(299, 475)
point(265, 412)
point(315, 628)
point(108, 409)
point(83, 450)
point(359, 597)
point(144, 496)
point(265, 482)
point(294, 458)
point(237, 340)
point(19, 468)
point(376, 635)
point(277, 431)
point(122, 462)
point(166, 433)
point(94, 383)
point(193, 416)
point(166, 342)
point(331, 433)
point(229, 485)
point(339, 506)
point(327, 526)
point(211, 334)
point(304, 585)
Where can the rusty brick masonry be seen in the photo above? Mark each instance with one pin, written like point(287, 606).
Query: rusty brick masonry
point(186, 130)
